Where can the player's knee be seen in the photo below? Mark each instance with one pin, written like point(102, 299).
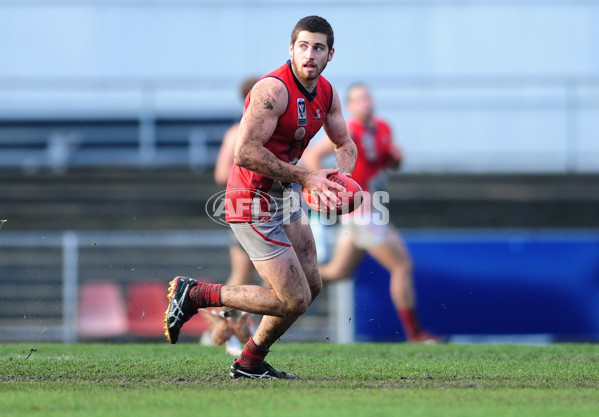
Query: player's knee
point(407, 266)
point(298, 305)
point(302, 304)
point(315, 289)
point(403, 267)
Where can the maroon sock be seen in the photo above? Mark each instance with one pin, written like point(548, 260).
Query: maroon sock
point(409, 321)
point(205, 295)
point(252, 355)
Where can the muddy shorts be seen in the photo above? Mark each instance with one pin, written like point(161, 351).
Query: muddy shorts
point(265, 240)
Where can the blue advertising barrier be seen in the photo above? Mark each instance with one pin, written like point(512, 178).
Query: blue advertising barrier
point(489, 283)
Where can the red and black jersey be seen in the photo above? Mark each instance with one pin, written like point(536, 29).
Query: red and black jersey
point(303, 118)
point(373, 142)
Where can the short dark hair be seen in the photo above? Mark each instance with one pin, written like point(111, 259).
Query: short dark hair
point(314, 24)
point(357, 84)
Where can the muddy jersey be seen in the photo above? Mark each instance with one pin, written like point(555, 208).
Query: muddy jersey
point(253, 197)
point(373, 143)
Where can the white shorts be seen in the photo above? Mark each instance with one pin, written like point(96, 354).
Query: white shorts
point(368, 235)
point(264, 240)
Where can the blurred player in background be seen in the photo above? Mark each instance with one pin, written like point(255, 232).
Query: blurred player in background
point(283, 112)
point(224, 329)
point(376, 154)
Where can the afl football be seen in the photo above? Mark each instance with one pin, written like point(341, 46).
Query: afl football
point(349, 200)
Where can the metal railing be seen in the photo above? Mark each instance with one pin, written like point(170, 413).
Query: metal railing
point(147, 141)
point(76, 259)
point(37, 138)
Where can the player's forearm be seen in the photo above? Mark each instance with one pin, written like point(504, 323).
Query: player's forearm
point(345, 156)
point(222, 170)
point(264, 162)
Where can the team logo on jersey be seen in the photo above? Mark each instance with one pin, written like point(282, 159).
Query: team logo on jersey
point(302, 118)
point(300, 133)
point(318, 113)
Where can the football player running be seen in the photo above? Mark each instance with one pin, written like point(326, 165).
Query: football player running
point(283, 112)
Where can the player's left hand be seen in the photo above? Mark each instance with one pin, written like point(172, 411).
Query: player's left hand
point(323, 189)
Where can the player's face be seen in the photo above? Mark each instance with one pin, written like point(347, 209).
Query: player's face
point(309, 55)
point(359, 103)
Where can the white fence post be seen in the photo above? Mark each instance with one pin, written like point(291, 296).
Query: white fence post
point(342, 311)
point(70, 285)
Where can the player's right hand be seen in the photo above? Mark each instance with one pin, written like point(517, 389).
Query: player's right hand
point(317, 183)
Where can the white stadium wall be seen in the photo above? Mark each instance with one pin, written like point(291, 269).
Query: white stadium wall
point(468, 86)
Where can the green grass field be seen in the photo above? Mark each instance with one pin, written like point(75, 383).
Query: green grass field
point(355, 380)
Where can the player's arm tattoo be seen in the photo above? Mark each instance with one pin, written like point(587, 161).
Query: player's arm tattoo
point(252, 154)
point(267, 99)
